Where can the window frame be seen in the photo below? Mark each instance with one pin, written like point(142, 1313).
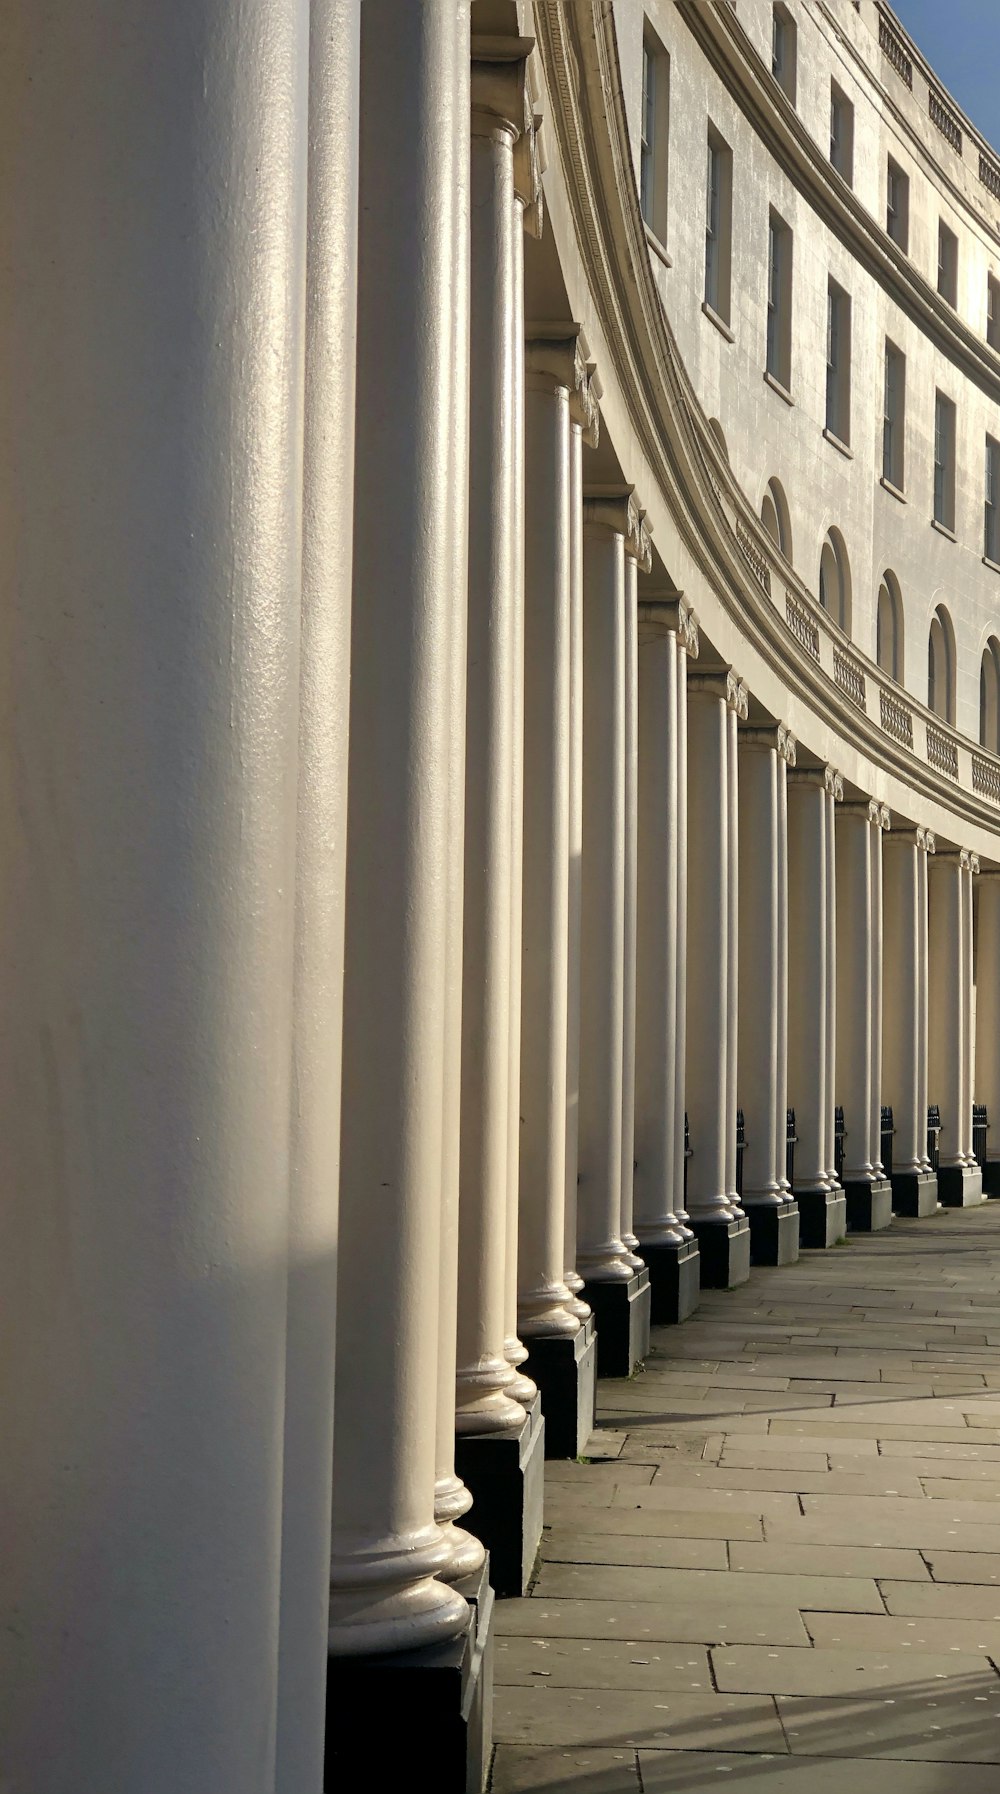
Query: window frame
point(654, 135)
point(947, 264)
point(784, 50)
point(841, 133)
point(945, 432)
point(718, 225)
point(991, 501)
point(993, 311)
point(894, 416)
point(778, 331)
point(897, 204)
point(838, 362)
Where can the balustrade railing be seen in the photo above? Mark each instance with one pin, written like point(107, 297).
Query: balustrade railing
point(756, 561)
point(896, 718)
point(989, 174)
point(941, 752)
point(801, 625)
point(986, 777)
point(892, 47)
point(850, 677)
point(934, 1135)
point(945, 120)
point(886, 1133)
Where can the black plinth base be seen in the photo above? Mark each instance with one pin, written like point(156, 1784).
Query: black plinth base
point(433, 1706)
point(725, 1251)
point(869, 1206)
point(504, 1474)
point(621, 1315)
point(822, 1218)
point(774, 1232)
point(991, 1177)
point(960, 1186)
point(566, 1372)
point(674, 1280)
point(915, 1193)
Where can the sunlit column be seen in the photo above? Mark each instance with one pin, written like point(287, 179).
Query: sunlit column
point(881, 822)
point(858, 838)
point(667, 1245)
point(834, 795)
point(987, 1087)
point(959, 1182)
point(635, 547)
point(904, 1009)
point(822, 1207)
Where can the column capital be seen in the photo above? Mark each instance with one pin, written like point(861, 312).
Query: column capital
point(875, 811)
point(556, 356)
point(827, 778)
point(616, 508)
point(908, 834)
point(775, 736)
point(669, 613)
point(500, 102)
point(725, 685)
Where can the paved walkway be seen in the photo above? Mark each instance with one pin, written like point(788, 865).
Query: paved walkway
point(779, 1572)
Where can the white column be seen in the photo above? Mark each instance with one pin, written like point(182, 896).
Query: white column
point(150, 468)
point(925, 841)
point(485, 1380)
point(854, 987)
point(708, 944)
point(736, 711)
point(387, 1547)
point(950, 1030)
point(904, 1006)
point(324, 686)
point(834, 794)
point(659, 1164)
point(970, 866)
point(452, 1500)
point(555, 370)
point(988, 1012)
point(808, 981)
point(763, 917)
point(601, 1254)
point(637, 545)
point(585, 425)
point(528, 214)
point(880, 824)
point(687, 649)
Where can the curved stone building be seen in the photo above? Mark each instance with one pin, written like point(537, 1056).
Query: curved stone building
point(501, 800)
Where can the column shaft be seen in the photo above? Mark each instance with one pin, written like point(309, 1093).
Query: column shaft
point(854, 988)
point(631, 875)
point(959, 1177)
point(923, 988)
point(571, 1275)
point(733, 951)
point(386, 1545)
point(684, 650)
point(988, 1019)
point(759, 989)
point(151, 456)
point(904, 1044)
point(879, 826)
point(785, 759)
point(832, 1094)
point(822, 1208)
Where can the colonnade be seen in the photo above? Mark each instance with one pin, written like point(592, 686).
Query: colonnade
point(450, 929)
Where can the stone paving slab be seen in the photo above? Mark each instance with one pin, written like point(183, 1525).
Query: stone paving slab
point(781, 1575)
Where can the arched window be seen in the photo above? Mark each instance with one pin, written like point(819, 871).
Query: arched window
point(720, 437)
point(889, 628)
point(774, 517)
point(835, 580)
point(989, 696)
point(941, 666)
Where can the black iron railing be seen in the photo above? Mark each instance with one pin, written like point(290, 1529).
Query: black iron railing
point(886, 1132)
point(741, 1140)
point(687, 1155)
point(839, 1131)
point(934, 1135)
point(791, 1140)
point(980, 1126)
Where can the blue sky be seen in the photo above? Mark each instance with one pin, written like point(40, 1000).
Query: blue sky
point(961, 41)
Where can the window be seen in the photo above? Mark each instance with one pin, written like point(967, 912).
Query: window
point(993, 311)
point(897, 205)
point(718, 225)
point(944, 461)
point(835, 580)
point(947, 270)
point(889, 629)
point(991, 503)
point(774, 517)
point(783, 50)
point(838, 362)
point(653, 134)
point(779, 301)
point(893, 415)
point(941, 666)
point(989, 697)
point(841, 133)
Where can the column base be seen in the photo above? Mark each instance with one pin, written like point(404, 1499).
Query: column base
point(774, 1232)
point(504, 1474)
point(960, 1186)
point(621, 1314)
point(822, 1218)
point(991, 1178)
point(566, 1373)
point(915, 1193)
point(869, 1205)
point(725, 1251)
point(433, 1705)
point(674, 1280)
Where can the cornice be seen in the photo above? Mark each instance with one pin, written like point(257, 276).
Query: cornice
point(717, 529)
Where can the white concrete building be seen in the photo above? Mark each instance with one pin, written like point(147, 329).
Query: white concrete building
point(500, 800)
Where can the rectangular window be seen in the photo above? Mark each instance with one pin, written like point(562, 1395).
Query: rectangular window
point(783, 49)
point(779, 301)
point(944, 461)
point(991, 532)
point(653, 133)
point(947, 269)
point(718, 225)
point(841, 133)
point(893, 416)
point(993, 311)
point(897, 204)
point(838, 362)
